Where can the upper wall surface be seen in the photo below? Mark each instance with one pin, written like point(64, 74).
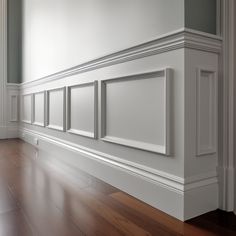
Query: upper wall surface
point(59, 34)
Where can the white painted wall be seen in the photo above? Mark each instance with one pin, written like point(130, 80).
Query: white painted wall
point(55, 32)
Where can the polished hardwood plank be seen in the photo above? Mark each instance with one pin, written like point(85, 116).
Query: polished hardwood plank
point(42, 195)
point(14, 223)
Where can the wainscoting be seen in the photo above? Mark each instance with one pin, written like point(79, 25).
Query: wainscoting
point(143, 119)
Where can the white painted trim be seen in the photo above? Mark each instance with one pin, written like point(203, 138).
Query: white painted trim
point(22, 104)
point(156, 183)
point(172, 181)
point(84, 133)
point(8, 132)
point(56, 127)
point(183, 38)
point(165, 149)
point(213, 112)
point(228, 152)
point(13, 86)
point(12, 118)
point(44, 108)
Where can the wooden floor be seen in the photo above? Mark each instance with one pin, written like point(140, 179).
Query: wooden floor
point(42, 198)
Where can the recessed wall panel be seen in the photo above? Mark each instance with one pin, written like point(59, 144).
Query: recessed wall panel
point(206, 112)
point(26, 112)
point(136, 111)
point(56, 109)
point(14, 108)
point(82, 112)
point(39, 109)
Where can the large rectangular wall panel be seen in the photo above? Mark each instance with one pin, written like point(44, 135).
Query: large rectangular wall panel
point(39, 109)
point(82, 109)
point(135, 111)
point(26, 108)
point(206, 111)
point(56, 109)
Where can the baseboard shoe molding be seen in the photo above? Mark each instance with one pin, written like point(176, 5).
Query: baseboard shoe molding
point(182, 38)
point(8, 132)
point(174, 193)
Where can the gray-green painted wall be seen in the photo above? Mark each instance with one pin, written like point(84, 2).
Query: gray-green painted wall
point(201, 15)
point(14, 41)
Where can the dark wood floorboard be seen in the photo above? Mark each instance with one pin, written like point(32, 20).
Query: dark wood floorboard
point(44, 196)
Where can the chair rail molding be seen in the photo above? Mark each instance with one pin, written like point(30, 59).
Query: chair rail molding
point(182, 38)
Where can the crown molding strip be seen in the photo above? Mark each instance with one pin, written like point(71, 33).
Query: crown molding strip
point(183, 38)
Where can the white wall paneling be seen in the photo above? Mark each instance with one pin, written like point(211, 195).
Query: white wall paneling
point(13, 107)
point(137, 105)
point(82, 109)
point(39, 101)
point(56, 109)
point(26, 108)
point(206, 111)
point(135, 111)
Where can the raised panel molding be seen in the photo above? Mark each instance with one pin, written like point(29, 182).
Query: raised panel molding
point(39, 101)
point(135, 111)
point(13, 108)
point(82, 109)
point(56, 109)
point(206, 108)
point(26, 108)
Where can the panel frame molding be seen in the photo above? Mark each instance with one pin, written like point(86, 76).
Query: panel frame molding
point(83, 133)
point(44, 109)
point(213, 131)
point(56, 127)
point(31, 107)
point(165, 149)
point(13, 118)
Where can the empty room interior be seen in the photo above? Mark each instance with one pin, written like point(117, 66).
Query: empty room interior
point(117, 117)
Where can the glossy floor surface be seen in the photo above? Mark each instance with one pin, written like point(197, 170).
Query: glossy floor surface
point(42, 198)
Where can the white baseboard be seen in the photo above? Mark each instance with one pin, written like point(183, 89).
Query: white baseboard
point(7, 132)
point(178, 197)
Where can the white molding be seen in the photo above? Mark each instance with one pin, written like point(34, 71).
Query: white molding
point(84, 133)
point(42, 124)
point(22, 107)
point(56, 127)
point(14, 110)
point(13, 86)
point(157, 183)
point(213, 112)
point(8, 132)
point(183, 38)
point(172, 181)
point(165, 149)
point(228, 58)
